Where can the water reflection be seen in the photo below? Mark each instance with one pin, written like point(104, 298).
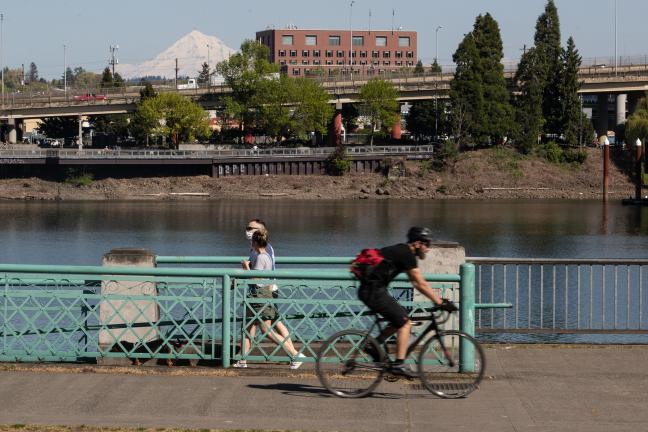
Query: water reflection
point(80, 232)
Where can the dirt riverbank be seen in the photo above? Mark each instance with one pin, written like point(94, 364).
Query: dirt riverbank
point(482, 174)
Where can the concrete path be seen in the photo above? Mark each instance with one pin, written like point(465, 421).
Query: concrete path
point(530, 389)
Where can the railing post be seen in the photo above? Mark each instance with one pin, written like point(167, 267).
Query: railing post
point(225, 343)
point(467, 315)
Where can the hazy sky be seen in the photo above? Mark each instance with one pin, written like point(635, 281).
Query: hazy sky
point(36, 30)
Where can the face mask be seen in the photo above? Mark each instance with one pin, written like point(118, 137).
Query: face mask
point(249, 234)
point(419, 253)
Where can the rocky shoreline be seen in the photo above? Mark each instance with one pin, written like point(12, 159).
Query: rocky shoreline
point(483, 174)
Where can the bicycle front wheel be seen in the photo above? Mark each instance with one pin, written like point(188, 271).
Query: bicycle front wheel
point(451, 364)
point(345, 364)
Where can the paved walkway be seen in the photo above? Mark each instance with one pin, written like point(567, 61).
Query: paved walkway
point(530, 389)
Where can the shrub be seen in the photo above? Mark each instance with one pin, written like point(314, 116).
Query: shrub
point(77, 178)
point(553, 153)
point(575, 156)
point(338, 163)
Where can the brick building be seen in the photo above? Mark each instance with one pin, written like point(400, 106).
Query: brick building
point(327, 52)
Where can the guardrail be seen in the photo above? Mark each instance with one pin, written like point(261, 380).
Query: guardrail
point(56, 313)
point(210, 154)
point(554, 300)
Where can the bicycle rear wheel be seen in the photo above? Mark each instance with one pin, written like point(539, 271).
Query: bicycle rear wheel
point(345, 366)
point(455, 371)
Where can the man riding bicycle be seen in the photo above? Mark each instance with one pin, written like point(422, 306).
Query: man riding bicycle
point(373, 292)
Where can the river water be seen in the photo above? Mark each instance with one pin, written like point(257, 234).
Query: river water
point(81, 232)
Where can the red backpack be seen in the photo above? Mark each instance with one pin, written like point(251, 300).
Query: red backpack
point(366, 261)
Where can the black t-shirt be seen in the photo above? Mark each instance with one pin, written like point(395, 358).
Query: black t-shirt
point(398, 259)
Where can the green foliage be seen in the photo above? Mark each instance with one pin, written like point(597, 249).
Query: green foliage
point(637, 125)
point(425, 116)
point(507, 160)
point(435, 67)
point(350, 115)
point(425, 166)
point(147, 92)
point(419, 69)
point(380, 102)
point(174, 116)
point(547, 43)
point(571, 115)
point(203, 74)
point(338, 162)
point(32, 75)
point(555, 154)
point(59, 127)
point(466, 92)
point(529, 104)
point(78, 178)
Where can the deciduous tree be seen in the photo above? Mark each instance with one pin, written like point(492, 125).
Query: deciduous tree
point(379, 100)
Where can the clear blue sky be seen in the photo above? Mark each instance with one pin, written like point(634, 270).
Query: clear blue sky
point(35, 30)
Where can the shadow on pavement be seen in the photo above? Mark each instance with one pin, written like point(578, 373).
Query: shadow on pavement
point(306, 390)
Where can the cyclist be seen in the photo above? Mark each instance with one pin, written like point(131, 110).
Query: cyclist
point(373, 292)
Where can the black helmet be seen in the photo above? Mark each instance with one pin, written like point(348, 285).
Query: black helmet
point(421, 234)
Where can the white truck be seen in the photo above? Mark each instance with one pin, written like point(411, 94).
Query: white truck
point(191, 84)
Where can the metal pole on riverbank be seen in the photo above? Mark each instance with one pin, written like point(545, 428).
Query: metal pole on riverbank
point(606, 165)
point(638, 170)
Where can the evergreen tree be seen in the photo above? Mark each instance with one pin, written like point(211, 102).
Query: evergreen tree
point(571, 116)
point(466, 92)
point(435, 68)
point(69, 76)
point(106, 78)
point(427, 119)
point(33, 73)
point(529, 117)
point(203, 75)
point(549, 50)
point(147, 92)
point(118, 81)
point(497, 118)
point(419, 69)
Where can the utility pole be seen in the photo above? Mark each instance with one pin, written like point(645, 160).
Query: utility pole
point(113, 59)
point(351, 42)
point(64, 72)
point(615, 39)
point(1, 54)
point(176, 73)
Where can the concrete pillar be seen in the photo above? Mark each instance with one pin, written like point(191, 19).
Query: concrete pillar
point(80, 143)
point(621, 108)
point(602, 109)
point(115, 326)
point(443, 258)
point(11, 131)
point(336, 131)
point(396, 131)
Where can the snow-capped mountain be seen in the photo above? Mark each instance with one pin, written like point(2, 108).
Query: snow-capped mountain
point(191, 50)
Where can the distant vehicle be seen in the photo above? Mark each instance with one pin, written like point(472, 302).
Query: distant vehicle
point(89, 97)
point(191, 84)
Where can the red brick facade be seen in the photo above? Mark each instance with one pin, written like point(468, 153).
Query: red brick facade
point(308, 52)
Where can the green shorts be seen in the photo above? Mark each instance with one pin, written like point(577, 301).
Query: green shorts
point(265, 311)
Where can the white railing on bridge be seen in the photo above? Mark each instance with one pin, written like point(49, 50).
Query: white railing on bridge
point(209, 154)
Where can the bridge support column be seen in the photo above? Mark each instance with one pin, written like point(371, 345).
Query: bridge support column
point(621, 109)
point(602, 109)
point(336, 130)
point(80, 142)
point(11, 131)
point(396, 131)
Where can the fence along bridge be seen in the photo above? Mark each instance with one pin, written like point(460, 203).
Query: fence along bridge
point(57, 313)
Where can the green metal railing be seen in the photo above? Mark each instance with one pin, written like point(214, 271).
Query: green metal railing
point(60, 313)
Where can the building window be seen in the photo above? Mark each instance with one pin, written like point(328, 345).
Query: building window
point(410, 63)
point(352, 54)
point(403, 41)
point(340, 53)
point(305, 53)
point(329, 53)
point(329, 62)
point(316, 62)
point(363, 54)
point(386, 63)
point(304, 62)
point(399, 54)
point(376, 62)
point(363, 62)
point(287, 39)
point(311, 40)
point(293, 62)
point(410, 54)
point(398, 63)
point(293, 53)
point(282, 62)
point(316, 53)
point(386, 54)
point(282, 53)
point(381, 41)
point(334, 40)
point(295, 71)
point(375, 54)
point(358, 40)
point(340, 62)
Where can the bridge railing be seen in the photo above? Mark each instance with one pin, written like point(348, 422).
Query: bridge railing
point(554, 300)
point(72, 313)
point(208, 154)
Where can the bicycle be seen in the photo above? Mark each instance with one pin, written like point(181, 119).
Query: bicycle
point(450, 364)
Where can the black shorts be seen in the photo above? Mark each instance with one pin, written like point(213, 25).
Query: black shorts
point(378, 300)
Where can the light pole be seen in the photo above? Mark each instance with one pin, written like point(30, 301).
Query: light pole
point(1, 54)
point(615, 38)
point(64, 73)
point(436, 43)
point(351, 42)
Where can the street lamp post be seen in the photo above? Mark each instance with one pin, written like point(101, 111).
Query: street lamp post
point(351, 42)
point(64, 73)
point(436, 96)
point(208, 69)
point(1, 54)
